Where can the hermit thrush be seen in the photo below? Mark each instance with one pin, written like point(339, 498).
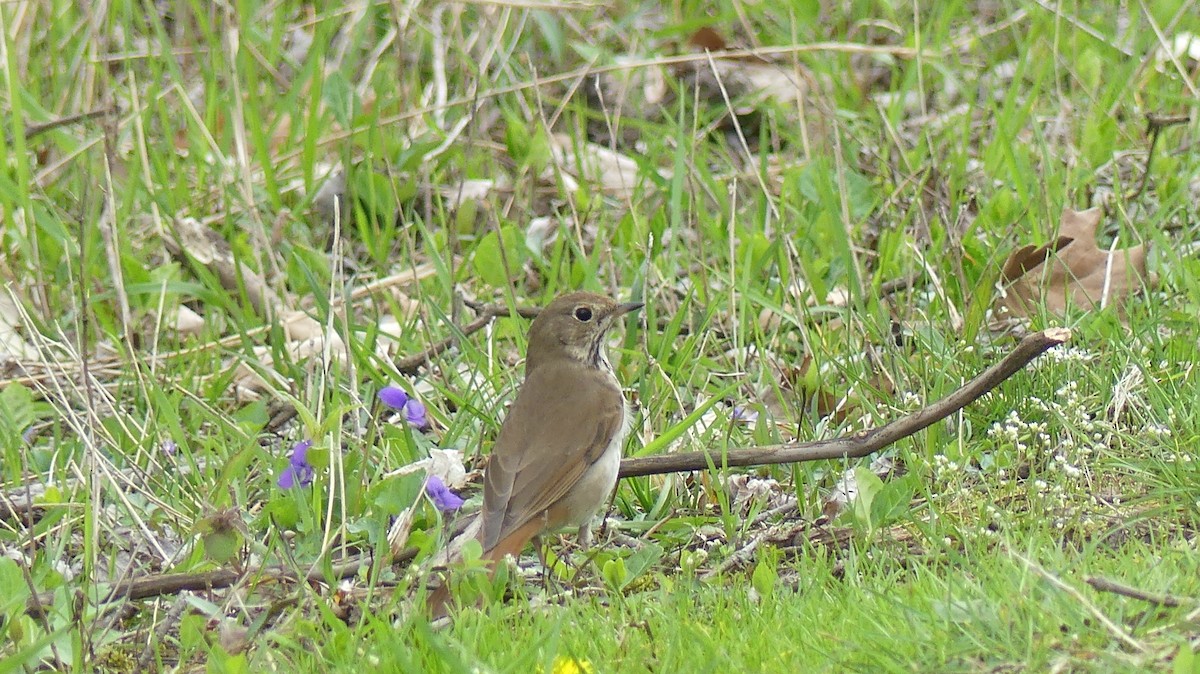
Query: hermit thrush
point(555, 461)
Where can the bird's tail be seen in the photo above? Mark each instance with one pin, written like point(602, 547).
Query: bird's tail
point(439, 601)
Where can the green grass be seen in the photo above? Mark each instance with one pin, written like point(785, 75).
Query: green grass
point(935, 160)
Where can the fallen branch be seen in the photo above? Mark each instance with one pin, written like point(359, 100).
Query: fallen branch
point(899, 284)
point(174, 583)
point(1116, 630)
point(1105, 585)
point(1154, 127)
point(860, 444)
point(487, 314)
point(34, 130)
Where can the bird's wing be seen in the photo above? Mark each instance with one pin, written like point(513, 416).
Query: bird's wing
point(544, 448)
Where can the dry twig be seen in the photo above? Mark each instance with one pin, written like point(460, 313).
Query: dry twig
point(860, 444)
point(174, 583)
point(1154, 126)
point(487, 313)
point(1113, 628)
point(1105, 585)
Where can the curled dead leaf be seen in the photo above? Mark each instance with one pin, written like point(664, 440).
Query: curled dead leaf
point(541, 232)
point(739, 77)
point(475, 189)
point(188, 322)
point(1071, 271)
point(13, 345)
point(846, 490)
point(613, 172)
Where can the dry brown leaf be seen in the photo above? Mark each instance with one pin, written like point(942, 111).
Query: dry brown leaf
point(188, 322)
point(846, 490)
point(612, 171)
point(541, 232)
point(1071, 271)
point(737, 77)
point(13, 345)
point(1184, 47)
point(193, 240)
point(803, 390)
point(707, 38)
point(476, 189)
point(307, 339)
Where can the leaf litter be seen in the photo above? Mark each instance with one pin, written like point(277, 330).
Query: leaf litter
point(1071, 272)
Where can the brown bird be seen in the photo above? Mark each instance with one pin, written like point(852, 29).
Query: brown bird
point(555, 461)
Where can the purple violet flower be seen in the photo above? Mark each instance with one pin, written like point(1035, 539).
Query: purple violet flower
point(744, 414)
point(414, 414)
point(444, 499)
point(414, 410)
point(299, 470)
point(393, 396)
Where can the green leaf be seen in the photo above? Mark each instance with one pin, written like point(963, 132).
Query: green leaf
point(640, 562)
point(398, 492)
point(517, 139)
point(869, 486)
point(222, 545)
point(22, 660)
point(284, 509)
point(20, 410)
point(220, 662)
point(413, 156)
point(340, 98)
point(526, 140)
point(552, 32)
point(12, 588)
point(192, 631)
point(614, 573)
point(375, 192)
point(764, 578)
point(1186, 661)
point(499, 257)
point(892, 501)
point(237, 466)
point(253, 416)
point(690, 561)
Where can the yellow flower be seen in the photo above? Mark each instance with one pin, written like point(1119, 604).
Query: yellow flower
point(571, 666)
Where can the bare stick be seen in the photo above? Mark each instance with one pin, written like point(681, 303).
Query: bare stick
point(860, 444)
point(899, 284)
point(487, 313)
point(411, 364)
point(174, 583)
point(481, 308)
point(33, 130)
point(1154, 127)
point(1116, 630)
point(1105, 585)
point(742, 556)
point(169, 622)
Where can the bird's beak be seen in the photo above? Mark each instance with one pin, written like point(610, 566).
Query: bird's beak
point(627, 307)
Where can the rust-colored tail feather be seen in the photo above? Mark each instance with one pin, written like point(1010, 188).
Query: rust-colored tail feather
point(438, 602)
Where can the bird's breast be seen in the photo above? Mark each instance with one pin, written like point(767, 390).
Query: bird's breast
point(597, 482)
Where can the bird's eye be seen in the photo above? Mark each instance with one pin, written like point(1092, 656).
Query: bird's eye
point(584, 314)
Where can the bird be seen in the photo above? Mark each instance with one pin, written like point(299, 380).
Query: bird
point(555, 460)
